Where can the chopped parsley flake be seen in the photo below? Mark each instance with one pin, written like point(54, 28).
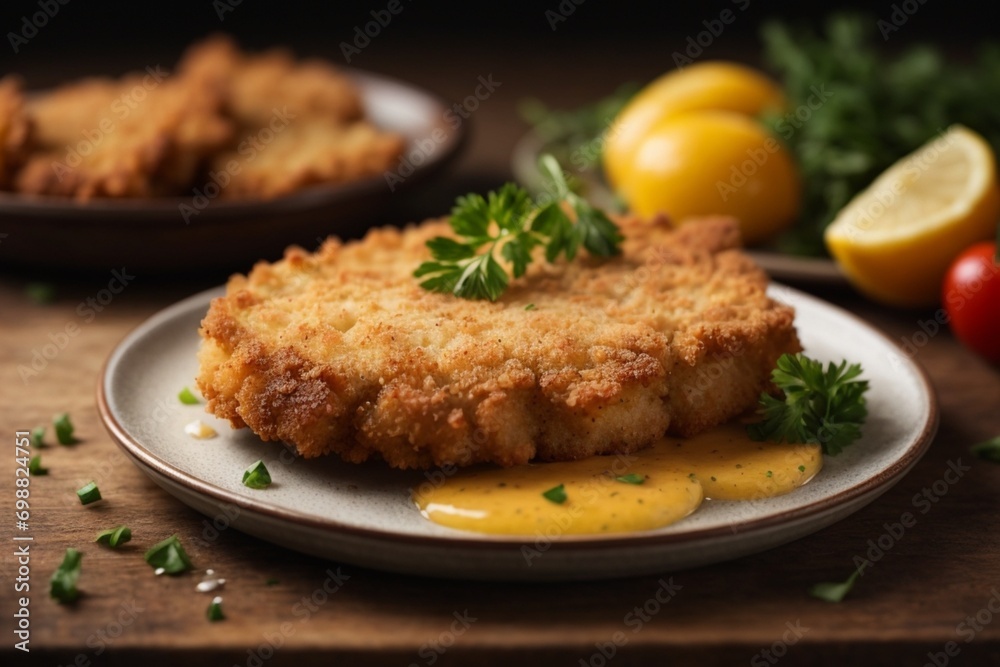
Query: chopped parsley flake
point(557, 494)
point(169, 555)
point(89, 493)
point(257, 476)
point(631, 478)
point(114, 537)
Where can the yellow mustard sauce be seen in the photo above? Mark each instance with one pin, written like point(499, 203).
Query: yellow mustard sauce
point(676, 476)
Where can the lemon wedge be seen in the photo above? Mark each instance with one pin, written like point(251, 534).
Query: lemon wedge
point(895, 240)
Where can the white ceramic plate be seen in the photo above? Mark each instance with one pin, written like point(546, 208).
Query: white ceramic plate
point(363, 515)
point(791, 268)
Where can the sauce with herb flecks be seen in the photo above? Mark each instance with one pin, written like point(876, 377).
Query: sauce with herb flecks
point(650, 489)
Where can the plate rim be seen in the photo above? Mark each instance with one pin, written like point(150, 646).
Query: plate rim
point(120, 210)
point(881, 481)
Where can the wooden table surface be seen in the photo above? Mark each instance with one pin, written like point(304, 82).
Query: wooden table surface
point(914, 600)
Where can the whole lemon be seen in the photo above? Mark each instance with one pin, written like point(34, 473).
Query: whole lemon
point(714, 162)
point(720, 86)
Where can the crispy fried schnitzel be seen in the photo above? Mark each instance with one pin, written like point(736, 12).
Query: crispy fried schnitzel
point(150, 134)
point(98, 139)
point(343, 352)
point(254, 84)
point(309, 152)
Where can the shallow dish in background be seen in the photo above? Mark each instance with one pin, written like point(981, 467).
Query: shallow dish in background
point(152, 236)
point(780, 266)
point(363, 514)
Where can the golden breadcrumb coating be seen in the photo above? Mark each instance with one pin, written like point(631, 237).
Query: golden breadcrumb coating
point(255, 85)
point(343, 352)
point(122, 138)
point(275, 124)
point(306, 152)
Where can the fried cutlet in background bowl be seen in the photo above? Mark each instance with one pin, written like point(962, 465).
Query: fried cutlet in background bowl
point(342, 351)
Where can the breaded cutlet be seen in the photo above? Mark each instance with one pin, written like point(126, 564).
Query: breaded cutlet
point(341, 351)
point(307, 152)
point(256, 84)
point(153, 149)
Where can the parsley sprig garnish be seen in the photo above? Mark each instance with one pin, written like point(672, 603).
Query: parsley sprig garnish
point(508, 221)
point(820, 407)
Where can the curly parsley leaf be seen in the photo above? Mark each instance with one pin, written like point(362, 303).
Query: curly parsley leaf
point(824, 407)
point(508, 221)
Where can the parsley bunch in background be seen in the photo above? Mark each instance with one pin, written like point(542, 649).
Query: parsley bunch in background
point(876, 110)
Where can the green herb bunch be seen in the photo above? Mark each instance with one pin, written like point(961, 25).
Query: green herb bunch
point(825, 407)
point(853, 111)
point(509, 222)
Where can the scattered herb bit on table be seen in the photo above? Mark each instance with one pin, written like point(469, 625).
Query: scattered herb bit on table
point(62, 585)
point(214, 612)
point(40, 293)
point(89, 493)
point(35, 466)
point(988, 450)
point(169, 556)
point(64, 429)
point(831, 591)
point(114, 537)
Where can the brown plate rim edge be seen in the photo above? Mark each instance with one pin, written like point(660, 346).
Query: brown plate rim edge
point(883, 480)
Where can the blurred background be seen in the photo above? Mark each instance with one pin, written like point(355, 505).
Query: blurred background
point(445, 46)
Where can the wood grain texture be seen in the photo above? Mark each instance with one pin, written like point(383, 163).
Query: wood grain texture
point(911, 602)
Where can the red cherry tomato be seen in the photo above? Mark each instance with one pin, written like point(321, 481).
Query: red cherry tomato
point(971, 297)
